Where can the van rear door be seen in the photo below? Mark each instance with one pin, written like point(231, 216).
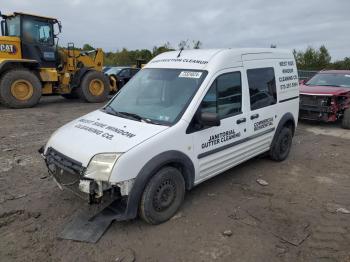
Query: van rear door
point(263, 112)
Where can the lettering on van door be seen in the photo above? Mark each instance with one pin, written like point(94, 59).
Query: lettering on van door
point(263, 123)
point(220, 138)
point(288, 78)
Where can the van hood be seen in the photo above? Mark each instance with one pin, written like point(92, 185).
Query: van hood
point(323, 90)
point(99, 132)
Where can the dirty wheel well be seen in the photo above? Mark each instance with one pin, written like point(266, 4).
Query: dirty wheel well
point(184, 171)
point(290, 124)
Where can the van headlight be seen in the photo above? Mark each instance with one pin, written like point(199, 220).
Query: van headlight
point(101, 165)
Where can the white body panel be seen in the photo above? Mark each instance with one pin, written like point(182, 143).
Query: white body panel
point(148, 140)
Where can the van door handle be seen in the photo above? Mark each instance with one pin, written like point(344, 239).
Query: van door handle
point(241, 120)
point(254, 116)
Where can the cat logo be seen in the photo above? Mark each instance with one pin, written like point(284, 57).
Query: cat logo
point(11, 49)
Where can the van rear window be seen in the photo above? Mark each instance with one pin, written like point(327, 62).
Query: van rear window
point(262, 87)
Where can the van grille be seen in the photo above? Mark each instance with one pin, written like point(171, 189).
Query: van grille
point(60, 160)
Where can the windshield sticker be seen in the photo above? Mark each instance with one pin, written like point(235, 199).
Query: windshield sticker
point(164, 118)
point(221, 138)
point(103, 133)
point(190, 74)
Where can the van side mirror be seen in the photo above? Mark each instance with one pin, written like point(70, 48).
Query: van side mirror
point(209, 119)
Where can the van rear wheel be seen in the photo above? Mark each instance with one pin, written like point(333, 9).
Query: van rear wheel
point(281, 147)
point(20, 88)
point(162, 196)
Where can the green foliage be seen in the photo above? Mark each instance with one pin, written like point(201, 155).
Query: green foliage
point(318, 59)
point(126, 57)
point(161, 49)
point(341, 64)
point(129, 57)
point(87, 47)
point(313, 59)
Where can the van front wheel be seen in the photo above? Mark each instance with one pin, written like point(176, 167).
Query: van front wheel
point(162, 196)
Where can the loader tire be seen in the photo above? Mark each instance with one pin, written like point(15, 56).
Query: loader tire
point(20, 88)
point(94, 87)
point(346, 119)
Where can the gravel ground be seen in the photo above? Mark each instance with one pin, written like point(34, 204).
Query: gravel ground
point(299, 216)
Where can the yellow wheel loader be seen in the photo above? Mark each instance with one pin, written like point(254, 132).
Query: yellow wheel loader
point(32, 65)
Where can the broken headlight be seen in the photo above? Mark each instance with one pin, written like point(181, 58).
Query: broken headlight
point(101, 165)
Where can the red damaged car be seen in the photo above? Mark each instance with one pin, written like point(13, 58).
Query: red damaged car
point(326, 97)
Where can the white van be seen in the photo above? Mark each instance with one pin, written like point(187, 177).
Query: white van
point(184, 118)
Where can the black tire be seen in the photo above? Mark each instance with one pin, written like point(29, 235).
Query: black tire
point(162, 196)
point(282, 144)
point(346, 119)
point(29, 79)
point(84, 91)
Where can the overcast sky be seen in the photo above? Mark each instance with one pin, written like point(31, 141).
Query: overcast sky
point(135, 24)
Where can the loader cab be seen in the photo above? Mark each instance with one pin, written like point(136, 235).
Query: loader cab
point(36, 34)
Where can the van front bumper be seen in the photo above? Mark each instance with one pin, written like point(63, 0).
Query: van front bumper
point(69, 174)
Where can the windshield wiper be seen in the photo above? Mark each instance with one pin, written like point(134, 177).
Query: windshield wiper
point(140, 118)
point(132, 115)
point(110, 110)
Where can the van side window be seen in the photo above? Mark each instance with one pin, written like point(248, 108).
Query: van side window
point(262, 87)
point(224, 96)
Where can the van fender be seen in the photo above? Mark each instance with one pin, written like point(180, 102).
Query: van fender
point(286, 120)
point(174, 158)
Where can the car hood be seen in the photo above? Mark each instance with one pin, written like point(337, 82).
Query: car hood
point(323, 90)
point(99, 132)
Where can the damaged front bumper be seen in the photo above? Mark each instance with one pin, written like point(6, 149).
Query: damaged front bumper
point(69, 174)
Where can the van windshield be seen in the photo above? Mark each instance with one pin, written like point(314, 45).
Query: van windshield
point(158, 96)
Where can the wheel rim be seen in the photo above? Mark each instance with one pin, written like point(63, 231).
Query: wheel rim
point(22, 90)
point(285, 143)
point(96, 87)
point(164, 195)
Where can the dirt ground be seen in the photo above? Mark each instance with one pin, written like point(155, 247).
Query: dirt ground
point(299, 216)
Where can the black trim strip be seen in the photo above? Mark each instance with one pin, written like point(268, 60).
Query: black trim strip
point(288, 99)
point(216, 150)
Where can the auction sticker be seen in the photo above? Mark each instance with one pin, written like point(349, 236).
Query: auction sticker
point(190, 74)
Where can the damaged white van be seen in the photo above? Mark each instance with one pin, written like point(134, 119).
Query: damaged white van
point(185, 117)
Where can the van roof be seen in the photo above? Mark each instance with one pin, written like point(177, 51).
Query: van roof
point(206, 58)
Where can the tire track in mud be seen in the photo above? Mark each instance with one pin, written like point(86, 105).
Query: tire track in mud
point(330, 237)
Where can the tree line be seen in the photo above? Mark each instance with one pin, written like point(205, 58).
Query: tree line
point(309, 59)
point(318, 59)
point(128, 57)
